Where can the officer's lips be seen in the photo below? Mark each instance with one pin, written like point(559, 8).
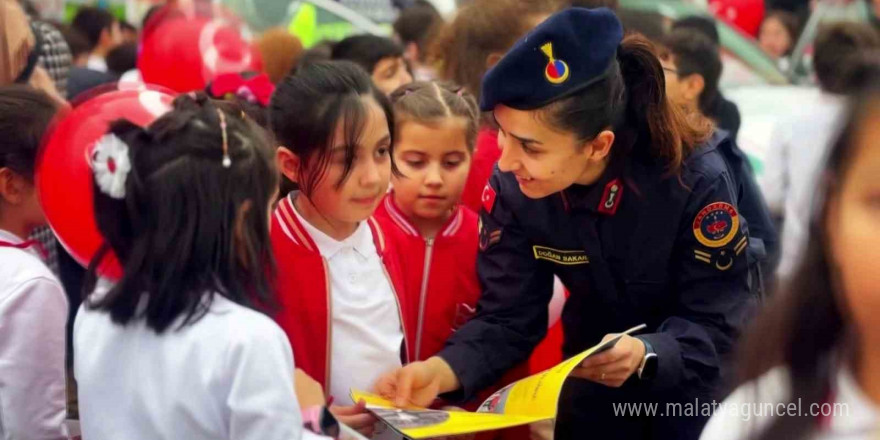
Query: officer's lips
point(523, 180)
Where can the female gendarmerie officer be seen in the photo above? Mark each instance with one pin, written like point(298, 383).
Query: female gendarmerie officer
point(602, 183)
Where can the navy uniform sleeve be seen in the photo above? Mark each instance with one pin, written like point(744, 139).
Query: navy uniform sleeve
point(711, 279)
point(511, 314)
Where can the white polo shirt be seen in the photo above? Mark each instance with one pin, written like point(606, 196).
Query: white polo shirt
point(33, 319)
point(366, 332)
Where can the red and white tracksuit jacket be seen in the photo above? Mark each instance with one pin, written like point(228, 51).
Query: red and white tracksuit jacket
point(440, 279)
point(302, 284)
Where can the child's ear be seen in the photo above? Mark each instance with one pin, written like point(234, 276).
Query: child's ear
point(288, 163)
point(12, 188)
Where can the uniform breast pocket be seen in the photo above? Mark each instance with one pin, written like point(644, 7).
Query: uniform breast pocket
point(648, 297)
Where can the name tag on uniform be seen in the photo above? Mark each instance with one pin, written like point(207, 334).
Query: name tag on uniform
point(568, 258)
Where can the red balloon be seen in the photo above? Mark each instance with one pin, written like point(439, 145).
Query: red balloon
point(64, 175)
point(185, 54)
point(744, 14)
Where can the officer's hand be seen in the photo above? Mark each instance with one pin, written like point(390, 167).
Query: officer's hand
point(613, 367)
point(355, 417)
point(418, 383)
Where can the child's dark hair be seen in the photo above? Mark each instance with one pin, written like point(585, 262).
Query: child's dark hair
point(789, 21)
point(418, 24)
point(308, 106)
point(92, 22)
point(837, 48)
point(631, 100)
point(805, 327)
point(188, 226)
point(431, 102)
point(366, 50)
point(122, 59)
point(695, 53)
point(25, 114)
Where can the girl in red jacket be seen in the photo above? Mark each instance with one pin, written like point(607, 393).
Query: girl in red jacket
point(338, 281)
point(436, 236)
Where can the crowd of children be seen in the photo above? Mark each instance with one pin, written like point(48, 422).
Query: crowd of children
point(289, 235)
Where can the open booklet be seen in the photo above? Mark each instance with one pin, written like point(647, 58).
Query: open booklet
point(528, 400)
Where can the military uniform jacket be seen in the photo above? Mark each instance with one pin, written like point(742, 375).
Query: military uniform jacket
point(639, 246)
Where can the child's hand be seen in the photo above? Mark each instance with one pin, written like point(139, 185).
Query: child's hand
point(356, 417)
point(309, 392)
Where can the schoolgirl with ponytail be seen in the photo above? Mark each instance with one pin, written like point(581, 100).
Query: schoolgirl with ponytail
point(604, 184)
point(179, 347)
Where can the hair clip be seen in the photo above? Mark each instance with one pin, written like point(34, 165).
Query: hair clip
point(227, 162)
point(460, 92)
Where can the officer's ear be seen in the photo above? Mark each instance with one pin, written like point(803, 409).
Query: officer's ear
point(288, 163)
point(600, 146)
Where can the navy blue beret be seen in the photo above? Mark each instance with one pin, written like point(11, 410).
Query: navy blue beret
point(566, 53)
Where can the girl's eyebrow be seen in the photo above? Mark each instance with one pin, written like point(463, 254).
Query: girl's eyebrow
point(384, 140)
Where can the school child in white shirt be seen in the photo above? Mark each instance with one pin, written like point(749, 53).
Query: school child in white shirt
point(338, 281)
point(33, 306)
point(810, 363)
point(179, 348)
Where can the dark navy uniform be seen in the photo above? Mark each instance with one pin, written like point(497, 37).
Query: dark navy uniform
point(638, 246)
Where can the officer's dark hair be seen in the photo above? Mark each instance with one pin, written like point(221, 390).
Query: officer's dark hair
point(805, 327)
point(837, 48)
point(306, 109)
point(76, 41)
point(188, 227)
point(695, 54)
point(25, 114)
point(432, 102)
point(91, 22)
point(631, 101)
point(366, 50)
point(418, 24)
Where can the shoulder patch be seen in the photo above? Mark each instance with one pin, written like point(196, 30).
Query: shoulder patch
point(488, 238)
point(488, 198)
point(716, 225)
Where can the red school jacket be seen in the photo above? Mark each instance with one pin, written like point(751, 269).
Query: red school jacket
point(302, 285)
point(440, 280)
point(486, 155)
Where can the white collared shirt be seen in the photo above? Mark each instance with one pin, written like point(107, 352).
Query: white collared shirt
point(33, 320)
point(366, 332)
point(792, 171)
point(97, 63)
point(228, 375)
point(851, 415)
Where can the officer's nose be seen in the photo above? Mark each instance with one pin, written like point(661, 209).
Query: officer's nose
point(509, 160)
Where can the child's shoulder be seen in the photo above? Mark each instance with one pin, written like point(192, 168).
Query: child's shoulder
point(242, 324)
point(20, 268)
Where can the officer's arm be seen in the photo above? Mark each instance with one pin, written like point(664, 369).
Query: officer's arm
point(512, 312)
point(710, 277)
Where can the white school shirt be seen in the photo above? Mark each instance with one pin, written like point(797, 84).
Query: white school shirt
point(33, 320)
point(800, 145)
point(229, 375)
point(97, 63)
point(366, 333)
point(857, 417)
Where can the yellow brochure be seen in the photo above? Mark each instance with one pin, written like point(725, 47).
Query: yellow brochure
point(525, 401)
